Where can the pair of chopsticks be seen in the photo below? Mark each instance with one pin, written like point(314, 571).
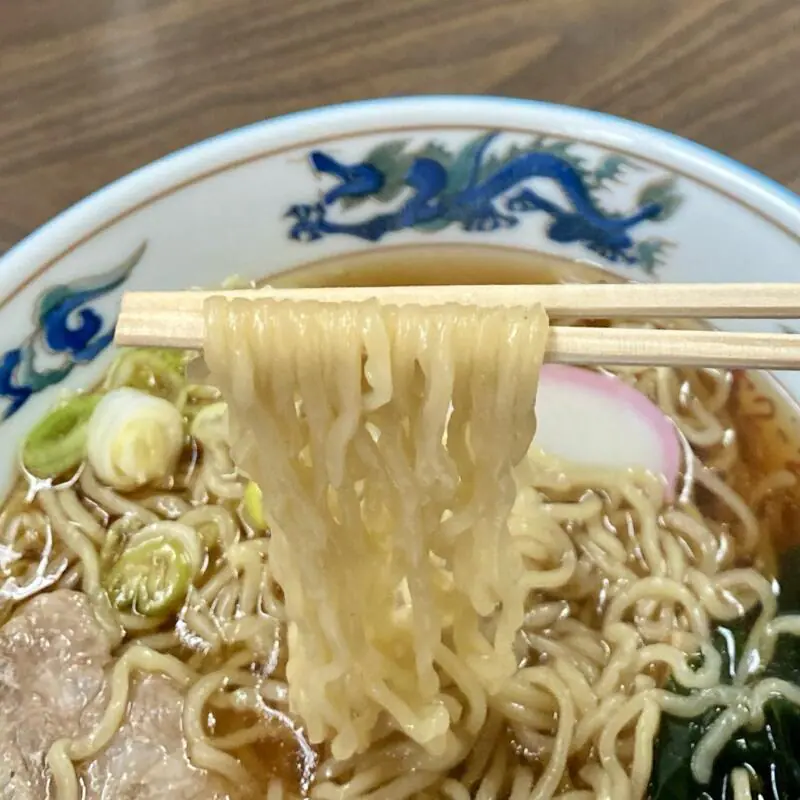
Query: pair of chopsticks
point(175, 319)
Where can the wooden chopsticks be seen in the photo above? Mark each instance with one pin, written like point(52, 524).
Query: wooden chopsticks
point(175, 319)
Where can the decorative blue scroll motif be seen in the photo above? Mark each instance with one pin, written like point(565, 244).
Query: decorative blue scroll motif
point(482, 187)
point(66, 326)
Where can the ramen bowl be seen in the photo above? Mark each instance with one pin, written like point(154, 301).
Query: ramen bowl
point(497, 176)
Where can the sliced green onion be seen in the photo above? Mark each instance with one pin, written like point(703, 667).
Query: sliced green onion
point(57, 443)
point(117, 537)
point(134, 438)
point(160, 372)
point(238, 282)
point(153, 574)
point(254, 505)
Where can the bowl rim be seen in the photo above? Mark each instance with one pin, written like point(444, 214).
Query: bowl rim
point(17, 261)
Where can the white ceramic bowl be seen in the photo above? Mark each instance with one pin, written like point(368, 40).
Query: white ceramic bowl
point(381, 174)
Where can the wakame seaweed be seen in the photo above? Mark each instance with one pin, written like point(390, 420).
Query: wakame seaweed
point(772, 754)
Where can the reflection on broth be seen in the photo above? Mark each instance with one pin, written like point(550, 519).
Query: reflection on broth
point(440, 265)
point(144, 610)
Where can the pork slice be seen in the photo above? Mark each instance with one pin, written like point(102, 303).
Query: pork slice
point(54, 658)
point(146, 758)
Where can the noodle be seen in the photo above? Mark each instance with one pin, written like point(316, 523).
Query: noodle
point(344, 430)
point(355, 437)
point(431, 607)
point(64, 751)
point(203, 753)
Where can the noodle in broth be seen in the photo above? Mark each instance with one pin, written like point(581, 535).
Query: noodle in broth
point(525, 645)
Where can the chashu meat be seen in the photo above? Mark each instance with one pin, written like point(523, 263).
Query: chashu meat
point(146, 759)
point(54, 659)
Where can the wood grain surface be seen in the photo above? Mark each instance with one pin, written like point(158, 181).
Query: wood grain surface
point(91, 89)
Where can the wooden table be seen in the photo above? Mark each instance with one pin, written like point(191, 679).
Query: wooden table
point(90, 89)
